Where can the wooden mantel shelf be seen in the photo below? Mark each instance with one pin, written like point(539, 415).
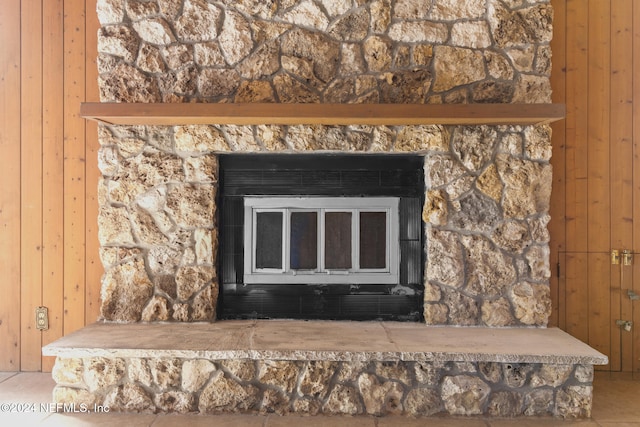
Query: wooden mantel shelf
point(325, 114)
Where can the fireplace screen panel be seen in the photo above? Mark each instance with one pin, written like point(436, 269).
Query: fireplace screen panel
point(373, 240)
point(303, 242)
point(331, 239)
point(268, 245)
point(321, 240)
point(337, 245)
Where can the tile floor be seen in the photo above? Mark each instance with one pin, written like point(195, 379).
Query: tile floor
point(616, 404)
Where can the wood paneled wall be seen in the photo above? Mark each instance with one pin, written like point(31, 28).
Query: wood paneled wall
point(596, 196)
point(48, 174)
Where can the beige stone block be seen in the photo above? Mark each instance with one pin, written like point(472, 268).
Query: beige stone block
point(102, 372)
point(282, 374)
point(343, 400)
point(532, 303)
point(464, 395)
point(223, 394)
point(307, 14)
point(74, 396)
point(68, 371)
point(489, 270)
point(154, 31)
point(192, 205)
point(129, 398)
point(126, 289)
point(380, 398)
point(551, 375)
point(422, 402)
point(110, 11)
point(199, 139)
point(316, 378)
point(198, 21)
point(138, 371)
point(235, 38)
point(454, 66)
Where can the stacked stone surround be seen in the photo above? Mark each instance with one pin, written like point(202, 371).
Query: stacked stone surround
point(485, 210)
point(487, 187)
point(485, 213)
point(378, 388)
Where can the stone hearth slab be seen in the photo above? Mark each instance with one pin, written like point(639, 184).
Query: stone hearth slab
point(325, 340)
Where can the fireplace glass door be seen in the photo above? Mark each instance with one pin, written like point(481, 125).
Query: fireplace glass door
point(325, 240)
point(321, 236)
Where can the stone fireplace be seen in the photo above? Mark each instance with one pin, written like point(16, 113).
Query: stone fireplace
point(476, 237)
point(487, 188)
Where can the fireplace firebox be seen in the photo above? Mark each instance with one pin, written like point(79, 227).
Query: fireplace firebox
point(321, 236)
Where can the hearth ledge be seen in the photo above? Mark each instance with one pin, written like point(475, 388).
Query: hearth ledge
point(327, 341)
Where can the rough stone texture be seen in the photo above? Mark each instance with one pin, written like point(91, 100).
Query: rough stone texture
point(110, 11)
point(464, 395)
point(380, 398)
point(332, 388)
point(497, 313)
point(198, 21)
point(225, 395)
point(490, 272)
point(316, 378)
point(245, 370)
point(129, 398)
point(473, 34)
point(68, 371)
point(235, 39)
point(126, 288)
point(118, 40)
point(532, 303)
point(138, 371)
point(456, 67)
point(487, 187)
point(154, 31)
point(453, 9)
point(175, 401)
point(281, 373)
point(157, 310)
point(195, 374)
point(343, 400)
point(522, 26)
point(574, 401)
point(68, 395)
point(101, 372)
point(444, 258)
point(254, 37)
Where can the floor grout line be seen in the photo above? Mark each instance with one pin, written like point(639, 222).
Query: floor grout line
point(13, 374)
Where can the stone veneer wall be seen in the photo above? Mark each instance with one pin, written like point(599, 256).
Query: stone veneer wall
point(488, 187)
point(325, 387)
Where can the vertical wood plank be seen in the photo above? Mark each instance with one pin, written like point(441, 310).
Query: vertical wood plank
point(10, 178)
point(577, 217)
point(94, 266)
point(31, 183)
point(599, 72)
point(74, 166)
point(577, 295)
point(557, 210)
point(599, 268)
point(621, 149)
point(575, 285)
point(53, 172)
point(599, 171)
point(562, 290)
point(636, 183)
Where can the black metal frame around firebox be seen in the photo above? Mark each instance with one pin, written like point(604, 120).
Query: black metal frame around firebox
point(347, 175)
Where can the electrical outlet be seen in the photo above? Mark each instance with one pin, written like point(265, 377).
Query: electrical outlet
point(42, 318)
